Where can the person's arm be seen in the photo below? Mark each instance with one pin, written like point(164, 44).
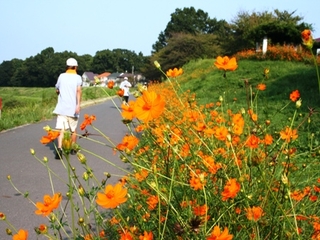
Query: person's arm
point(57, 86)
point(79, 91)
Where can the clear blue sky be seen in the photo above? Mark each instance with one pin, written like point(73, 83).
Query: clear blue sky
point(88, 26)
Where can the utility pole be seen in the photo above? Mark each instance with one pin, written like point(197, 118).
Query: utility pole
point(134, 80)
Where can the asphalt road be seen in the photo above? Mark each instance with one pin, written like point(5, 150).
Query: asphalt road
point(29, 175)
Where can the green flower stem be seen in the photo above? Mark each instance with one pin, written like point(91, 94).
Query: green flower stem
point(71, 183)
point(160, 69)
point(50, 177)
point(26, 195)
point(111, 98)
point(10, 225)
point(317, 68)
point(294, 213)
point(107, 161)
point(169, 198)
point(49, 169)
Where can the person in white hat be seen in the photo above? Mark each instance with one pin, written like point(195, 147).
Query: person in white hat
point(125, 85)
point(68, 88)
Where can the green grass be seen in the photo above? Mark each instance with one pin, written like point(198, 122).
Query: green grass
point(208, 83)
point(29, 105)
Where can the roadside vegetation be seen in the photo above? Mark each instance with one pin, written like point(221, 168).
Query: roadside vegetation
point(223, 148)
point(22, 105)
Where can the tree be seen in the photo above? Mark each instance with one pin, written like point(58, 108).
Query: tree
point(7, 69)
point(279, 27)
point(187, 20)
point(182, 48)
point(117, 60)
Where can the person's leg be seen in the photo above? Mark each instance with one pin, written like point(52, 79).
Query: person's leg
point(73, 123)
point(59, 126)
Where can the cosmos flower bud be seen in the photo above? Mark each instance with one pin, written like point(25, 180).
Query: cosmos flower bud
point(81, 158)
point(81, 221)
point(85, 176)
point(157, 64)
point(298, 103)
point(47, 128)
point(2, 216)
point(32, 151)
point(81, 191)
point(284, 179)
point(8, 231)
point(108, 175)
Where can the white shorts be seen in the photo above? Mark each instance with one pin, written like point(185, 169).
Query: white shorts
point(66, 122)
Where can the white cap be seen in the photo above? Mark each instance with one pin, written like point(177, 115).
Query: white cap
point(125, 78)
point(71, 62)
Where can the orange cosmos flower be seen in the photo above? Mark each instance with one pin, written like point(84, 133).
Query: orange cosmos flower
point(112, 196)
point(288, 134)
point(216, 234)
point(87, 121)
point(226, 64)
point(294, 95)
point(140, 176)
point(110, 84)
point(268, 139)
point(221, 133)
point(307, 38)
point(152, 202)
point(200, 210)
point(231, 189)
point(174, 72)
point(51, 136)
point(129, 142)
point(146, 236)
point(254, 213)
point(252, 141)
point(127, 110)
point(120, 92)
point(21, 235)
point(126, 236)
point(196, 183)
point(149, 106)
point(49, 204)
point(261, 87)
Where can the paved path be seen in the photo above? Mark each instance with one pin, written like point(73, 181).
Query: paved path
point(30, 176)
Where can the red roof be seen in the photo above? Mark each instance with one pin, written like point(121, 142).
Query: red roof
point(105, 74)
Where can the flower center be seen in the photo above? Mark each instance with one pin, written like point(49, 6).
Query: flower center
point(110, 194)
point(146, 107)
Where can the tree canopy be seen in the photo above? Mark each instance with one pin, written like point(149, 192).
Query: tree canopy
point(190, 34)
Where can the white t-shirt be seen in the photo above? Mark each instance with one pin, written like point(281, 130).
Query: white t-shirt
point(67, 99)
point(125, 85)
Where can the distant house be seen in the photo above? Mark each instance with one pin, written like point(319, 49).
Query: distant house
point(133, 78)
point(318, 49)
point(103, 78)
point(88, 78)
point(115, 78)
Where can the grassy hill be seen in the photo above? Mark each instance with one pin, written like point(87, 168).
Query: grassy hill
point(202, 78)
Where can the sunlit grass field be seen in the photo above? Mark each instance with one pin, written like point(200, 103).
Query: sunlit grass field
point(30, 105)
